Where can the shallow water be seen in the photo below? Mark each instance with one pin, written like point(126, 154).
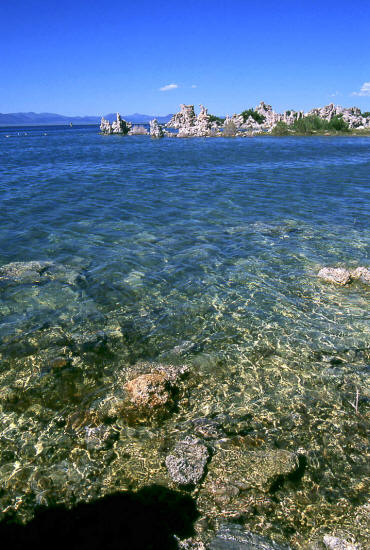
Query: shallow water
point(204, 252)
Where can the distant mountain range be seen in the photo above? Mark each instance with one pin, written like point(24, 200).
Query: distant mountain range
point(29, 119)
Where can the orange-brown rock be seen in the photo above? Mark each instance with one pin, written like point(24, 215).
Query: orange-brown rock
point(149, 390)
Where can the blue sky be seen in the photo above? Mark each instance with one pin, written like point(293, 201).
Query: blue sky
point(86, 57)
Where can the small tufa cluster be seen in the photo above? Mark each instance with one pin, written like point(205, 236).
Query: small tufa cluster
point(156, 130)
point(351, 116)
point(189, 124)
point(118, 126)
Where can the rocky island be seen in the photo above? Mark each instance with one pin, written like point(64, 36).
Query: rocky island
point(258, 121)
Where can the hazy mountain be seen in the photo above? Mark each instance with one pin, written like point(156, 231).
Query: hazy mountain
point(28, 119)
point(136, 118)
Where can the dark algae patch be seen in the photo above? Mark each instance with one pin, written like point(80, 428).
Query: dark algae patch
point(165, 338)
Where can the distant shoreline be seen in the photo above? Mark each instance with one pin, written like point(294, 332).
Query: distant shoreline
point(47, 124)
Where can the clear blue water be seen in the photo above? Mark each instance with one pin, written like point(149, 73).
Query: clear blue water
point(202, 251)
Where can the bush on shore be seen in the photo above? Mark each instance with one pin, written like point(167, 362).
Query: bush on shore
point(229, 129)
point(257, 117)
point(280, 129)
point(313, 124)
point(214, 118)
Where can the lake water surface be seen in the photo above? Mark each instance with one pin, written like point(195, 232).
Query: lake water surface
point(201, 252)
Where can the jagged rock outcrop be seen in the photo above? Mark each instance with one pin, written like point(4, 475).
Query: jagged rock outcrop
point(290, 116)
point(185, 118)
point(105, 126)
point(260, 119)
point(118, 126)
point(352, 116)
point(203, 124)
point(271, 118)
point(268, 119)
point(156, 130)
point(189, 124)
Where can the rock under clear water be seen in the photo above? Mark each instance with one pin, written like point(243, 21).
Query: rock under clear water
point(122, 259)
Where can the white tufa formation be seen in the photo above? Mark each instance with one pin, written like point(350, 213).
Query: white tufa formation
point(118, 126)
point(156, 130)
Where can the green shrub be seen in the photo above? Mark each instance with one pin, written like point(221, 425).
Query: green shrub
point(288, 113)
point(366, 114)
point(337, 123)
point(313, 124)
point(257, 117)
point(214, 118)
point(229, 129)
point(280, 129)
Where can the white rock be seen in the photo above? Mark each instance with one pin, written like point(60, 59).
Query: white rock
point(362, 273)
point(120, 126)
point(352, 115)
point(190, 125)
point(156, 130)
point(336, 275)
point(335, 543)
point(105, 126)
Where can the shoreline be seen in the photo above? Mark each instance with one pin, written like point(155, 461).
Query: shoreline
point(262, 120)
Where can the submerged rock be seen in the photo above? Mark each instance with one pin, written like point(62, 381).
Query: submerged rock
point(335, 543)
point(361, 273)
point(149, 390)
point(234, 537)
point(208, 428)
point(235, 476)
point(99, 437)
point(191, 544)
point(150, 393)
point(336, 275)
point(34, 272)
point(186, 464)
point(84, 342)
point(24, 272)
point(343, 276)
